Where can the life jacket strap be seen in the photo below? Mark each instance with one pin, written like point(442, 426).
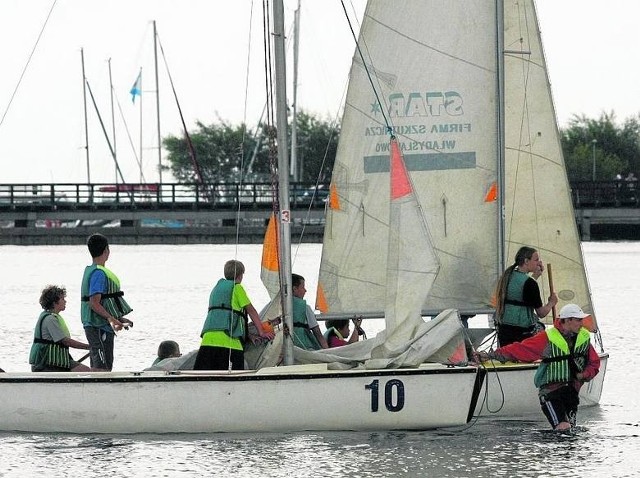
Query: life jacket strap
point(515, 302)
point(556, 359)
point(573, 367)
point(112, 295)
point(43, 341)
point(224, 307)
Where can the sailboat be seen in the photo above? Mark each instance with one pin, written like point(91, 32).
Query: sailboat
point(465, 88)
point(538, 206)
point(410, 381)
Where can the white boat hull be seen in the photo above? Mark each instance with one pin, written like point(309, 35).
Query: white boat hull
point(430, 396)
point(511, 392)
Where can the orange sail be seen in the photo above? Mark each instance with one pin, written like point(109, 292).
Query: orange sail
point(270, 272)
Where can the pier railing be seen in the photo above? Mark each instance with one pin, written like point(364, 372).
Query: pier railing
point(40, 197)
point(605, 194)
point(193, 213)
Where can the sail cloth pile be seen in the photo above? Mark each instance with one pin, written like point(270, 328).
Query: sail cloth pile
point(412, 343)
point(408, 340)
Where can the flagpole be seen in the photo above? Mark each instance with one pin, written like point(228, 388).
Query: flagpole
point(155, 56)
point(136, 90)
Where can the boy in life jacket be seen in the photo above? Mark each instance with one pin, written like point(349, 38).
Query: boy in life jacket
point(568, 361)
point(51, 337)
point(306, 331)
point(225, 327)
point(103, 307)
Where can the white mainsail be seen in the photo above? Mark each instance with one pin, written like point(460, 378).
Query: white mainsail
point(441, 94)
point(438, 92)
point(538, 207)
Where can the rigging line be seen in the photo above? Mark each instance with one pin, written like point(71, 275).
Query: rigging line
point(526, 118)
point(525, 121)
point(138, 55)
point(24, 70)
point(332, 133)
point(270, 121)
point(270, 128)
point(257, 135)
point(243, 138)
point(192, 151)
point(333, 130)
point(273, 147)
point(246, 95)
point(366, 68)
point(126, 128)
point(106, 136)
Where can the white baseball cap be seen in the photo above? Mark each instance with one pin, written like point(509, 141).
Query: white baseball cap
point(572, 311)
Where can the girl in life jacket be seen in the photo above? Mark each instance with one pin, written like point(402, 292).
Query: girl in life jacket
point(51, 337)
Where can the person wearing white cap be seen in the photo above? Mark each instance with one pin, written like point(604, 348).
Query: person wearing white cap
point(568, 361)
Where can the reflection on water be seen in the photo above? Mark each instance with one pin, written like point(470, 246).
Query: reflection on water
point(607, 444)
point(506, 448)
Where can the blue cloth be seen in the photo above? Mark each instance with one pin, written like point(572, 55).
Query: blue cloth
point(98, 285)
point(136, 89)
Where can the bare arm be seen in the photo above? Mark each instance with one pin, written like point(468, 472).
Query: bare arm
point(255, 318)
point(321, 340)
point(69, 342)
point(545, 309)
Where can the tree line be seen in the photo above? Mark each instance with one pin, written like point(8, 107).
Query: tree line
point(227, 153)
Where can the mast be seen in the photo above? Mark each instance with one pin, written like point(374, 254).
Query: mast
point(155, 61)
point(113, 117)
point(86, 123)
point(106, 135)
point(283, 176)
point(295, 171)
point(140, 127)
point(501, 135)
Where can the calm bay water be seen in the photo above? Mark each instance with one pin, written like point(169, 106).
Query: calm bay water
point(168, 287)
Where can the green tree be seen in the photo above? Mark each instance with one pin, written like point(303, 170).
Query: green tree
point(317, 147)
point(617, 148)
point(225, 153)
point(221, 151)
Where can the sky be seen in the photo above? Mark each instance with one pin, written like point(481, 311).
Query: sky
point(213, 48)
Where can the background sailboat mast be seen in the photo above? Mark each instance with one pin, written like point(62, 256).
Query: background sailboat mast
point(155, 60)
point(283, 174)
point(501, 135)
point(140, 127)
point(295, 171)
point(113, 118)
point(86, 122)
